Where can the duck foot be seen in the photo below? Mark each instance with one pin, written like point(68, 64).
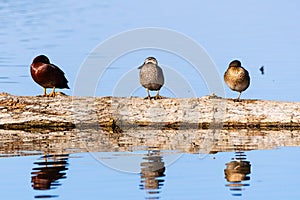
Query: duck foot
point(155, 97)
point(52, 94)
point(49, 95)
point(237, 100)
point(159, 97)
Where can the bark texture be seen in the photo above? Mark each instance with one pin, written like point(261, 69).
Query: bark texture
point(118, 113)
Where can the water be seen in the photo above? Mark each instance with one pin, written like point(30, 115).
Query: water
point(68, 31)
point(175, 164)
point(272, 174)
point(258, 33)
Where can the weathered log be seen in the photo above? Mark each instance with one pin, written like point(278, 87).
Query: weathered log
point(117, 113)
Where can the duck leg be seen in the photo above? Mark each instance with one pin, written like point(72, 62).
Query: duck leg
point(45, 92)
point(148, 93)
point(52, 94)
point(238, 98)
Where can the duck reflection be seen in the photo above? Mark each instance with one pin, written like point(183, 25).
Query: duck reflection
point(152, 173)
point(237, 173)
point(50, 169)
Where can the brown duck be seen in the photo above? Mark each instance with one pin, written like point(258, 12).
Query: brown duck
point(47, 75)
point(236, 77)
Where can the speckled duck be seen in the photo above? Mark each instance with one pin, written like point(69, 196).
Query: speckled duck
point(151, 76)
point(236, 77)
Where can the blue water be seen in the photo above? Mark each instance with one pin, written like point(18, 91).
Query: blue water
point(273, 175)
point(256, 32)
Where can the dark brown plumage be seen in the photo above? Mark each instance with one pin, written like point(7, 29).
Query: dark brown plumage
point(47, 75)
point(236, 77)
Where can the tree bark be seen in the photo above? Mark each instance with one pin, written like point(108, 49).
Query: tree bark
point(118, 113)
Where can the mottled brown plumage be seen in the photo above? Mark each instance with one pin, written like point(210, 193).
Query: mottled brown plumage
point(47, 75)
point(151, 76)
point(236, 77)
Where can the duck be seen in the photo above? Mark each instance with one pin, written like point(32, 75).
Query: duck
point(237, 77)
point(151, 77)
point(47, 75)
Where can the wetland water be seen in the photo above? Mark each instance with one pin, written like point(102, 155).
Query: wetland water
point(153, 164)
point(166, 164)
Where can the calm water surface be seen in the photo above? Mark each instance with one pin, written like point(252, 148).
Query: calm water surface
point(67, 31)
point(270, 174)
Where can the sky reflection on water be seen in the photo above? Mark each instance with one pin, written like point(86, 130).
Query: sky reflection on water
point(189, 178)
point(67, 31)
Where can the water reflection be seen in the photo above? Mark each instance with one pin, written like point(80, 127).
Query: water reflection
point(237, 173)
point(152, 173)
point(50, 169)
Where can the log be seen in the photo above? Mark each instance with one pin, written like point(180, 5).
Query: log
point(115, 114)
